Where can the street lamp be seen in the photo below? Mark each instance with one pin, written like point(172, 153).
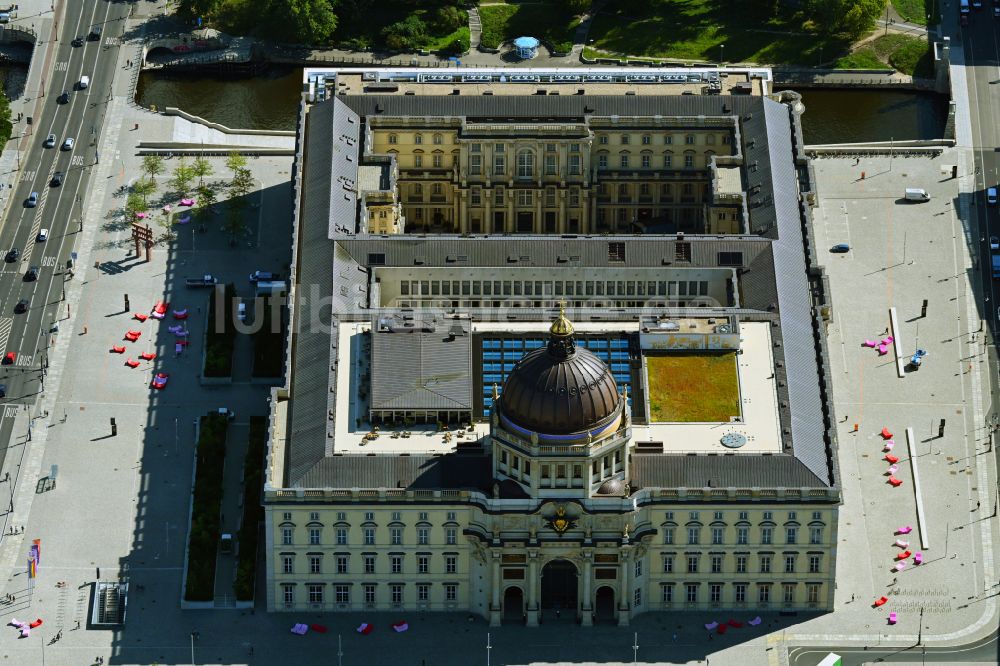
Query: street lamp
point(194, 635)
point(722, 53)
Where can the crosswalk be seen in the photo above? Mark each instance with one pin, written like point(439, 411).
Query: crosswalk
point(6, 323)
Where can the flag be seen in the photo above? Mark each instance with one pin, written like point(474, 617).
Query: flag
point(32, 568)
point(401, 626)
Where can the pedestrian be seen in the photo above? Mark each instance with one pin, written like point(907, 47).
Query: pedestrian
point(886, 331)
point(77, 624)
point(977, 505)
point(852, 599)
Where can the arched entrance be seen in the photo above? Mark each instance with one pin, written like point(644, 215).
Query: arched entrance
point(513, 605)
point(559, 590)
point(604, 604)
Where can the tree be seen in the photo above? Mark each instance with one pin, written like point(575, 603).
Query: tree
point(449, 19)
point(134, 204)
point(166, 223)
point(201, 168)
point(153, 165)
point(406, 35)
point(6, 126)
point(235, 161)
point(144, 188)
point(575, 7)
point(307, 21)
point(183, 175)
point(206, 199)
point(235, 222)
point(241, 184)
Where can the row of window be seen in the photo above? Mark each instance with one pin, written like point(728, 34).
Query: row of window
point(742, 515)
point(716, 592)
point(368, 536)
point(603, 139)
point(395, 516)
point(369, 563)
point(342, 593)
point(716, 563)
point(553, 288)
point(718, 535)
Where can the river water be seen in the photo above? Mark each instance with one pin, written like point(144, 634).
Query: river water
point(270, 101)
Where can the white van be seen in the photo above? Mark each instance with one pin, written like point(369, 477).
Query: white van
point(916, 194)
point(43, 235)
point(84, 82)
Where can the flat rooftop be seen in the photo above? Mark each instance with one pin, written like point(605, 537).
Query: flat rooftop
point(758, 427)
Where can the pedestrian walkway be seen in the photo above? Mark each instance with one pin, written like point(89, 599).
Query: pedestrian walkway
point(475, 27)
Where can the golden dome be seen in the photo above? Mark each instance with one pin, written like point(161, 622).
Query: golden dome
point(562, 327)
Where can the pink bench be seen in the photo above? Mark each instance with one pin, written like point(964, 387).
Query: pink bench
point(918, 558)
point(889, 445)
point(904, 530)
point(902, 544)
point(892, 618)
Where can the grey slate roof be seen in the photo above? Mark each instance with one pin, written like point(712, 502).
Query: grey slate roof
point(416, 368)
point(664, 471)
point(309, 367)
point(452, 471)
point(799, 343)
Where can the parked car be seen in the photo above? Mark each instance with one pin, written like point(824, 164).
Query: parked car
point(160, 380)
point(991, 196)
point(31, 275)
point(50, 141)
point(994, 243)
point(840, 248)
point(32, 200)
point(257, 276)
point(12, 255)
point(241, 311)
point(57, 179)
point(68, 143)
point(22, 306)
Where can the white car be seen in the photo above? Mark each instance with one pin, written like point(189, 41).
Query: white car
point(991, 196)
point(68, 143)
point(241, 312)
point(994, 243)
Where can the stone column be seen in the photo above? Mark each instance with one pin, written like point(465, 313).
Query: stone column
point(532, 610)
point(561, 220)
point(487, 224)
point(495, 606)
point(587, 608)
point(623, 595)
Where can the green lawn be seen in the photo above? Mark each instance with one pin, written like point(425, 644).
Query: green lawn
point(916, 11)
point(698, 387)
point(545, 21)
point(908, 55)
point(698, 29)
point(444, 41)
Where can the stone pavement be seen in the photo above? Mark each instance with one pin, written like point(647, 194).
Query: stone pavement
point(902, 254)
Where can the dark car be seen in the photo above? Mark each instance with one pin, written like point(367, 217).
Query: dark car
point(263, 276)
point(31, 275)
point(57, 178)
point(22, 306)
point(95, 33)
point(12, 255)
point(63, 98)
point(78, 40)
point(3, 390)
point(840, 248)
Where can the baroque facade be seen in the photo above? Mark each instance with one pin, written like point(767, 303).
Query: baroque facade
point(537, 484)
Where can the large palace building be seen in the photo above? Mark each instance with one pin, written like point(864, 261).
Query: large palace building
point(556, 349)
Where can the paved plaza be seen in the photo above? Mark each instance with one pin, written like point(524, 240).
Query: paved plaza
point(120, 505)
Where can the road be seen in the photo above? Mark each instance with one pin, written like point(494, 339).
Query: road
point(59, 208)
point(980, 651)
